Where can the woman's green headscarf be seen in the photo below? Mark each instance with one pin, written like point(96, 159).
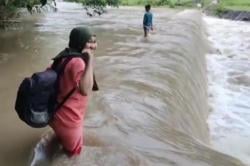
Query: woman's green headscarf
point(78, 38)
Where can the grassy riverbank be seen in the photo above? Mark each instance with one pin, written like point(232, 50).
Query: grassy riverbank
point(169, 3)
point(239, 5)
point(227, 6)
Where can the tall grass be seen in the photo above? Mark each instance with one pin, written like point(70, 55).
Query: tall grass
point(241, 5)
point(236, 2)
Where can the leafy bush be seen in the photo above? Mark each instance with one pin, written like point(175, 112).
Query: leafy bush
point(220, 9)
point(163, 2)
point(171, 4)
point(100, 3)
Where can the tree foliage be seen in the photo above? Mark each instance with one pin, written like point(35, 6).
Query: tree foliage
point(21, 3)
point(98, 3)
point(96, 7)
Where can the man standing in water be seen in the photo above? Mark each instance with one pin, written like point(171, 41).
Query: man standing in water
point(147, 20)
point(68, 120)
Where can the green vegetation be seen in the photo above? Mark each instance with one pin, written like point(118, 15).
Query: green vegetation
point(170, 3)
point(8, 7)
point(20, 3)
point(239, 5)
point(224, 6)
point(97, 3)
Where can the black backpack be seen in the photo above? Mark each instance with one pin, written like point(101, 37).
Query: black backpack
point(36, 101)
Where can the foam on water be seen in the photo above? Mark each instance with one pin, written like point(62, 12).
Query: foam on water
point(229, 86)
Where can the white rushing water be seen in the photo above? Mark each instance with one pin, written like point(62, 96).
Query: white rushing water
point(229, 86)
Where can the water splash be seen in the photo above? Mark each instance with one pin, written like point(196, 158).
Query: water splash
point(229, 80)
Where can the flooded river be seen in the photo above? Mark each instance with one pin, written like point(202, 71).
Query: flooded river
point(160, 100)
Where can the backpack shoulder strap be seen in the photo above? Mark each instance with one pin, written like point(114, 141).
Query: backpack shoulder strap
point(66, 98)
point(59, 67)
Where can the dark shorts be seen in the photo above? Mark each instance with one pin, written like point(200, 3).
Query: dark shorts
point(146, 28)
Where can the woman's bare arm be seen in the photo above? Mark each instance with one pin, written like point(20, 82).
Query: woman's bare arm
point(86, 82)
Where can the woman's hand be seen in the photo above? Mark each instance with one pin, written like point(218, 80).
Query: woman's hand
point(91, 55)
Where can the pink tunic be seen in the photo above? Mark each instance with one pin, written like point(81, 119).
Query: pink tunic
point(68, 120)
